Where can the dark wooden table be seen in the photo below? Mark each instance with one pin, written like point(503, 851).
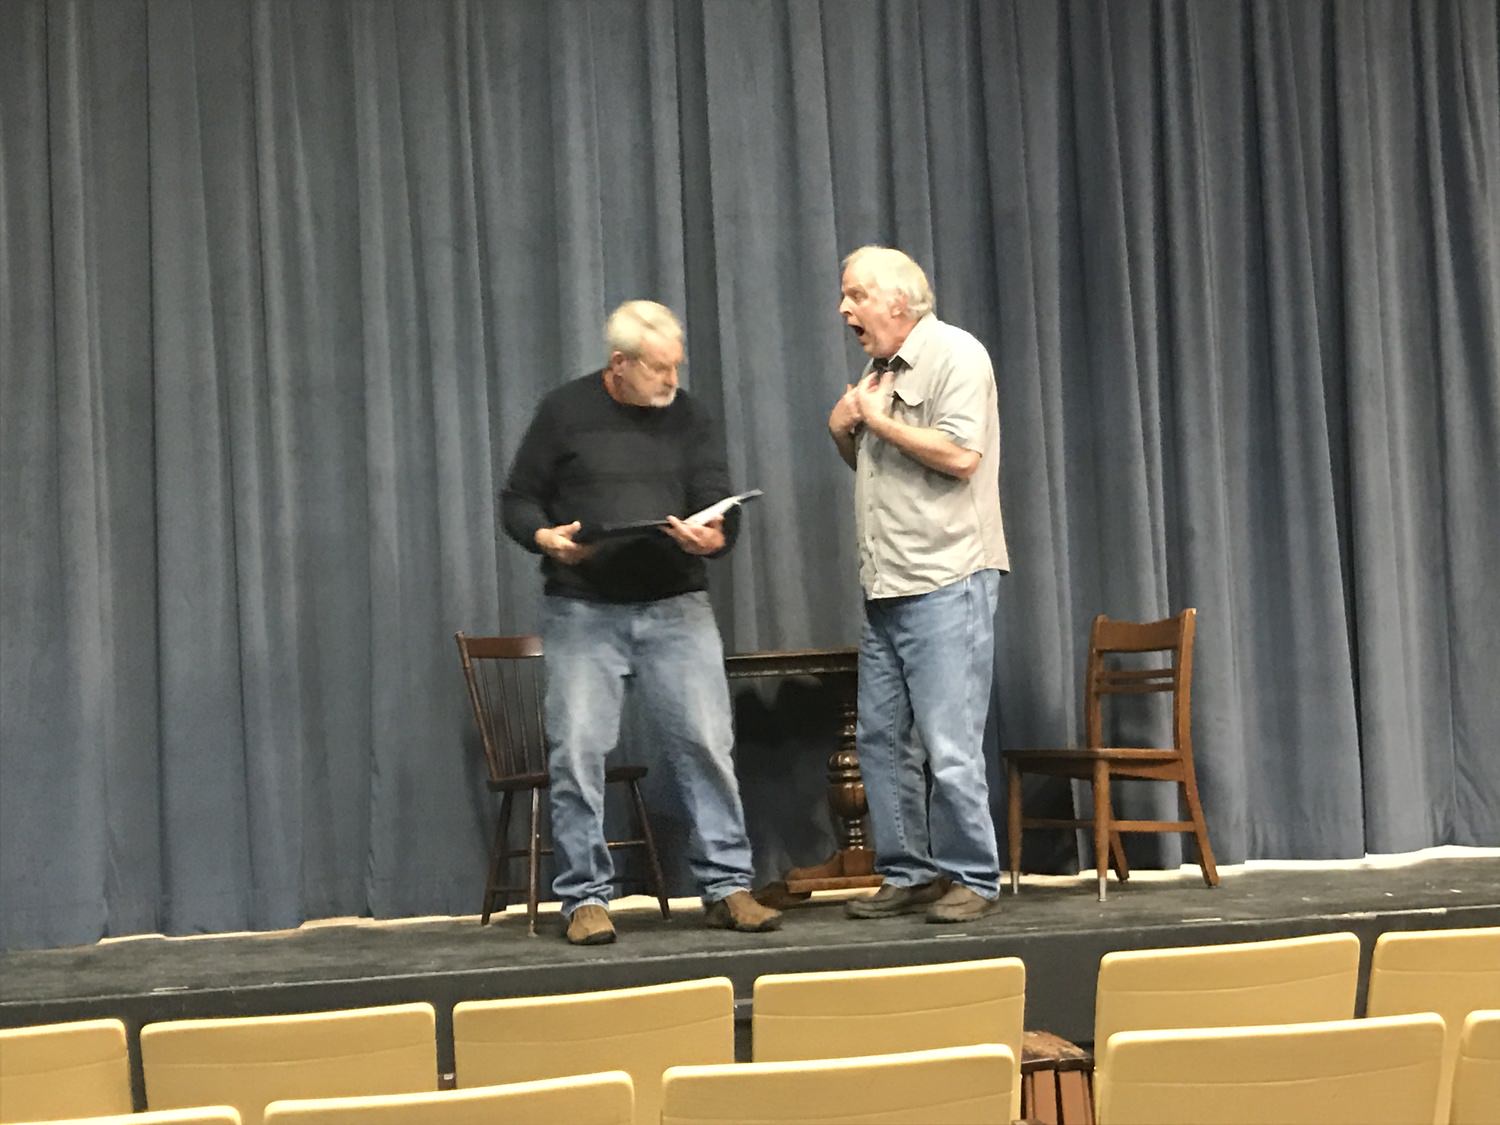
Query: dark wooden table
point(853, 864)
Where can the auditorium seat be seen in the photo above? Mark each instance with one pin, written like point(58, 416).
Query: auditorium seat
point(64, 1070)
point(1476, 1074)
point(972, 1085)
point(584, 1099)
point(885, 1011)
point(1340, 1072)
point(1290, 980)
point(252, 1061)
point(1450, 972)
point(642, 1031)
point(1113, 670)
point(200, 1115)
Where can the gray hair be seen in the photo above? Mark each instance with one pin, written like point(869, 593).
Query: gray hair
point(896, 271)
point(628, 326)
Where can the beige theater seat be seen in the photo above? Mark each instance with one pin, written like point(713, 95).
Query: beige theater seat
point(250, 1062)
point(64, 1070)
point(1243, 984)
point(202, 1115)
point(641, 1031)
point(884, 1011)
point(1476, 1077)
point(1450, 972)
point(971, 1085)
point(583, 1099)
point(1340, 1072)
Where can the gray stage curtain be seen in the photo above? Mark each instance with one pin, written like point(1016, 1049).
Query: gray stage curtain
point(283, 282)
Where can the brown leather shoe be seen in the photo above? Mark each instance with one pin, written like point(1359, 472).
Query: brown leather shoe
point(961, 904)
point(590, 925)
point(739, 911)
point(890, 901)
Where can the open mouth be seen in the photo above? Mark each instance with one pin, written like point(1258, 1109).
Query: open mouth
point(858, 330)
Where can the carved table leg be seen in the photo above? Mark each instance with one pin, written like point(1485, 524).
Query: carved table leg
point(853, 865)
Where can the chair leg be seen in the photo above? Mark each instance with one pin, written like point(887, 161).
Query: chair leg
point(534, 862)
point(1117, 854)
point(1101, 824)
point(1200, 833)
point(1013, 823)
point(658, 883)
point(497, 861)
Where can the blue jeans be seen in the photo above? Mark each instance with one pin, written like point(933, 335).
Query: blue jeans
point(925, 667)
point(672, 649)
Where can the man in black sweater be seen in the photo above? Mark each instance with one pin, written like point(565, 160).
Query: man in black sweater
point(622, 445)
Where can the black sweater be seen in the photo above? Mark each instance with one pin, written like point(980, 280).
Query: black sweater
point(587, 457)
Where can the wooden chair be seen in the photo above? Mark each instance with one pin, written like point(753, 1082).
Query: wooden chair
point(641, 1031)
point(581, 1099)
point(1450, 972)
point(1100, 764)
point(800, 1016)
point(201, 1115)
point(252, 1061)
point(1343, 1072)
point(1476, 1077)
point(1241, 984)
point(972, 1085)
point(64, 1070)
point(504, 678)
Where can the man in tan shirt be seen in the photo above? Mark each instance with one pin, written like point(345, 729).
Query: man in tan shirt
point(921, 431)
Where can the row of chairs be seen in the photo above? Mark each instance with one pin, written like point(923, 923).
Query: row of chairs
point(248, 1063)
point(799, 1017)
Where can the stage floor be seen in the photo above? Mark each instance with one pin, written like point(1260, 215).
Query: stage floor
point(1055, 925)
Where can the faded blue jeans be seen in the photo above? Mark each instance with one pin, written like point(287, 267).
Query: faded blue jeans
point(925, 668)
point(672, 649)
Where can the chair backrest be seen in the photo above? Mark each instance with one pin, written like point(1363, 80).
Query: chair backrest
point(1172, 636)
point(1450, 972)
point(884, 1011)
point(582, 1099)
point(1360, 1072)
point(1292, 980)
point(641, 1031)
point(504, 678)
point(199, 1115)
point(64, 1070)
point(971, 1084)
point(1476, 1075)
point(253, 1061)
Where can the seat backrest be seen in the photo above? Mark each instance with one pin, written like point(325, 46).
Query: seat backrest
point(253, 1061)
point(1450, 972)
point(954, 1084)
point(583, 1099)
point(884, 1011)
point(64, 1070)
point(1476, 1074)
point(1291, 980)
point(641, 1031)
point(1172, 636)
point(1369, 1072)
point(505, 683)
point(199, 1115)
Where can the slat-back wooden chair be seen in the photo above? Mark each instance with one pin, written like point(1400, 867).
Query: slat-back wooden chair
point(505, 681)
point(1099, 764)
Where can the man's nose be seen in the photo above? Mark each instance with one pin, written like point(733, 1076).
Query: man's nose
point(671, 377)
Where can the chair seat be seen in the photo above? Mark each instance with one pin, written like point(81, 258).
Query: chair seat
point(540, 780)
point(1095, 754)
point(1042, 1050)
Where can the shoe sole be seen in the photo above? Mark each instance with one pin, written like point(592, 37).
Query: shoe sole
point(594, 939)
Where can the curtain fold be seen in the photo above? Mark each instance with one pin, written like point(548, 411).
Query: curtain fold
point(284, 281)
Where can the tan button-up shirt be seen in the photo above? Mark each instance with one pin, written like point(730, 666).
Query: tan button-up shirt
point(920, 529)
